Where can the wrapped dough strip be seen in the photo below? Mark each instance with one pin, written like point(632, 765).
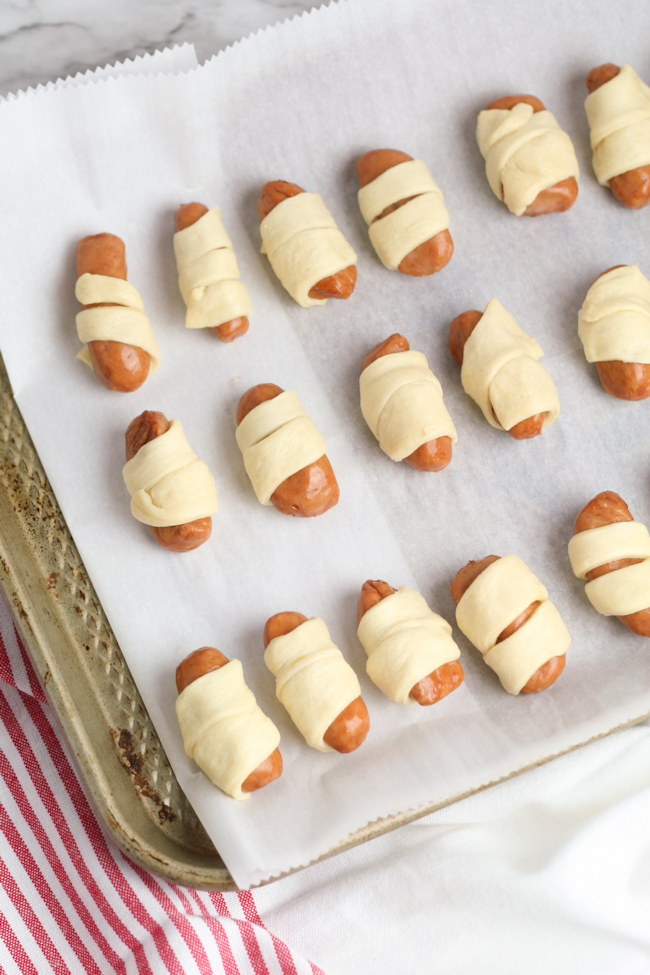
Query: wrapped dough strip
point(460, 330)
point(349, 728)
point(313, 489)
point(545, 675)
point(561, 195)
point(203, 661)
point(117, 365)
point(339, 285)
point(607, 508)
point(433, 455)
point(175, 538)
point(440, 682)
point(624, 380)
point(632, 188)
point(186, 215)
point(431, 255)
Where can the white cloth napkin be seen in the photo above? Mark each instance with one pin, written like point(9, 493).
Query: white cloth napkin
point(546, 873)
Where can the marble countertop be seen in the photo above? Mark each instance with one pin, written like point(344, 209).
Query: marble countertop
point(40, 42)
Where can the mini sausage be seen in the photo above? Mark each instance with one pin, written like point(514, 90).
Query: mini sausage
point(349, 729)
point(186, 215)
point(439, 682)
point(530, 162)
point(203, 661)
point(339, 285)
point(433, 254)
point(176, 538)
point(312, 490)
point(460, 330)
point(624, 380)
point(631, 188)
point(433, 455)
point(116, 365)
point(555, 198)
point(545, 675)
point(607, 508)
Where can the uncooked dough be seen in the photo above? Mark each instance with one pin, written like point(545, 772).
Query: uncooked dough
point(422, 217)
point(168, 483)
point(304, 245)
point(501, 373)
point(277, 439)
point(614, 321)
point(405, 641)
point(119, 316)
point(525, 152)
point(625, 590)
point(208, 275)
point(402, 403)
point(223, 728)
point(502, 591)
point(314, 682)
point(619, 125)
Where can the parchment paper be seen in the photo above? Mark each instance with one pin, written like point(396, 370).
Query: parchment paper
point(181, 57)
point(301, 102)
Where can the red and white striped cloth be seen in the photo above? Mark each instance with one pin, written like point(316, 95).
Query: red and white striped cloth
point(70, 900)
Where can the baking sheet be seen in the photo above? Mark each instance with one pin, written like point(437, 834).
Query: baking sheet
point(301, 102)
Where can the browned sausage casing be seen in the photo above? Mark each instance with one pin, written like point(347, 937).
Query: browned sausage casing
point(431, 255)
point(556, 198)
point(350, 727)
point(201, 662)
point(117, 365)
point(545, 675)
point(186, 215)
point(460, 330)
point(632, 188)
point(624, 380)
point(607, 508)
point(312, 490)
point(441, 681)
point(434, 454)
point(176, 538)
point(339, 285)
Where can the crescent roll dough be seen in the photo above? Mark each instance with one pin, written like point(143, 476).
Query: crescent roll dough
point(619, 125)
point(501, 372)
point(304, 245)
point(312, 679)
point(208, 276)
point(623, 591)
point(492, 602)
point(402, 403)
point(614, 321)
point(168, 483)
point(525, 152)
point(277, 439)
point(224, 730)
point(405, 641)
point(398, 233)
point(120, 319)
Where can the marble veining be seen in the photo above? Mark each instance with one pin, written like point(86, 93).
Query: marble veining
point(42, 40)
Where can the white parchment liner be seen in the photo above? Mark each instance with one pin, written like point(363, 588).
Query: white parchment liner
point(301, 102)
point(180, 57)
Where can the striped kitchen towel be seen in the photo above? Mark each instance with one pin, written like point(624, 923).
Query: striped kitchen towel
point(70, 900)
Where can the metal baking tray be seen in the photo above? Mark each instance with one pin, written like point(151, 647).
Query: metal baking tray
point(80, 666)
point(86, 680)
point(84, 675)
